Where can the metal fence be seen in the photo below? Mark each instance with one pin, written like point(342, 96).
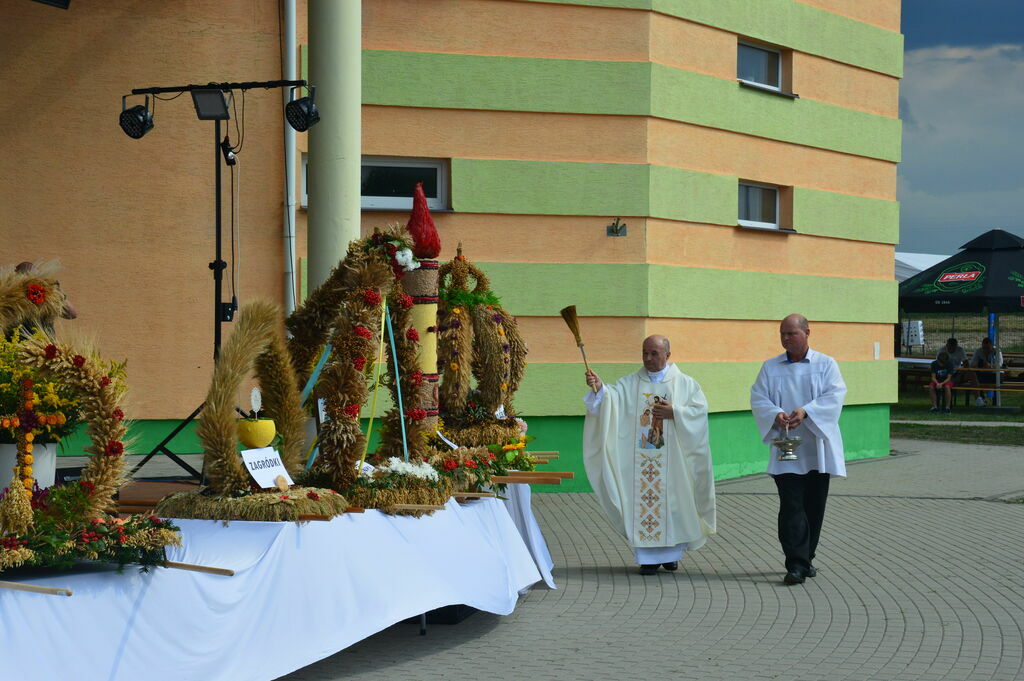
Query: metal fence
point(968, 329)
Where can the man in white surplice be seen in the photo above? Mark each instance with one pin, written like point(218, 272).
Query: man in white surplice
point(645, 448)
point(801, 389)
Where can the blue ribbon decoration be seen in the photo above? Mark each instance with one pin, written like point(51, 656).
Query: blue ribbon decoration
point(398, 386)
point(313, 378)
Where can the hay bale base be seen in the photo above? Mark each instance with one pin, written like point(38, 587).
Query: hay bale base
point(272, 506)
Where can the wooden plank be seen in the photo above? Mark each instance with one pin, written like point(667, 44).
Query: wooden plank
point(534, 480)
point(565, 475)
point(36, 589)
point(303, 517)
point(546, 455)
point(417, 507)
point(199, 568)
point(354, 509)
point(129, 510)
point(474, 495)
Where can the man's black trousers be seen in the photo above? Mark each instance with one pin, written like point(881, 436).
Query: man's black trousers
point(801, 510)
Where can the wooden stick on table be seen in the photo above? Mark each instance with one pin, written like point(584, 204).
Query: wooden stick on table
point(200, 568)
point(35, 588)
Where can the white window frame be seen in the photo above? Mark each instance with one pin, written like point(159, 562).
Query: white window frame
point(763, 48)
point(405, 203)
point(441, 202)
point(756, 223)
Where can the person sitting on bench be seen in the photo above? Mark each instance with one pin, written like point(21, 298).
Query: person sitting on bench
point(988, 356)
point(942, 379)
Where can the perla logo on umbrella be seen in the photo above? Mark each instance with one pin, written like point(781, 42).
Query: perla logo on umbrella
point(959, 276)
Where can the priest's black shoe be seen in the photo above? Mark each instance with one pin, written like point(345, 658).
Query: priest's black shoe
point(794, 577)
point(812, 572)
point(671, 567)
point(648, 569)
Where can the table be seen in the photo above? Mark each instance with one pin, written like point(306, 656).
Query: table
point(301, 592)
point(521, 510)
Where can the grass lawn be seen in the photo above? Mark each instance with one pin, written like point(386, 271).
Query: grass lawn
point(977, 435)
point(914, 405)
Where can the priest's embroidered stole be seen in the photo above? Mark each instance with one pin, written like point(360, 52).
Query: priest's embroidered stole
point(649, 462)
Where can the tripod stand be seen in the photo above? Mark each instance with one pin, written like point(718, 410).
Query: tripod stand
point(211, 105)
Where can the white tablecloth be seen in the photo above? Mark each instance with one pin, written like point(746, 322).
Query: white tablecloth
point(521, 509)
point(300, 593)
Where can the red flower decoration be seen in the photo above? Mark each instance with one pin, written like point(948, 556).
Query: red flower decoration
point(35, 293)
point(156, 521)
point(470, 463)
point(417, 378)
point(413, 335)
point(371, 297)
point(51, 351)
point(114, 448)
point(352, 410)
point(118, 414)
point(391, 249)
point(313, 495)
point(490, 457)
point(78, 361)
point(405, 300)
point(27, 383)
point(87, 486)
point(105, 381)
point(450, 465)
point(416, 414)
point(359, 362)
point(362, 332)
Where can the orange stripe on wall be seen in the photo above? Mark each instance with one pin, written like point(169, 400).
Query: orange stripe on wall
point(447, 133)
point(882, 13)
point(711, 51)
point(515, 29)
point(528, 238)
point(619, 339)
point(683, 145)
point(571, 239)
point(733, 248)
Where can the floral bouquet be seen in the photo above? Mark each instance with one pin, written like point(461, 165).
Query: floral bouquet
point(43, 408)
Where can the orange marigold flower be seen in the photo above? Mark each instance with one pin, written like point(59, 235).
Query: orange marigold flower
point(27, 483)
point(28, 447)
point(29, 459)
point(52, 419)
point(29, 405)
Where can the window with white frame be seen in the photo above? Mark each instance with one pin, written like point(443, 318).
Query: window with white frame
point(759, 205)
point(759, 65)
point(388, 182)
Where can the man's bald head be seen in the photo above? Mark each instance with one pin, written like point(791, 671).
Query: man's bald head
point(794, 332)
point(656, 352)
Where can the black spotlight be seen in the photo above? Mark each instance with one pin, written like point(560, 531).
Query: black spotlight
point(302, 113)
point(136, 121)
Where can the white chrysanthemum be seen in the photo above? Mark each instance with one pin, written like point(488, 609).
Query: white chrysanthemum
point(405, 258)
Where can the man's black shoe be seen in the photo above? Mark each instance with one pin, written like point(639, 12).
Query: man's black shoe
point(671, 567)
point(793, 577)
point(812, 572)
point(648, 569)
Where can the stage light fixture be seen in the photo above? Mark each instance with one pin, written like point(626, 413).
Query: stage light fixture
point(302, 113)
point(137, 120)
point(211, 105)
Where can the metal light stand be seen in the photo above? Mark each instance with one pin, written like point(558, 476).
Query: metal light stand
point(222, 312)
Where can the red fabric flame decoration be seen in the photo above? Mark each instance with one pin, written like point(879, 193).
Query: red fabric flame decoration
point(426, 242)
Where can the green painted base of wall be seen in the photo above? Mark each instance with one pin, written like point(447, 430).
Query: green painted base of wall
point(736, 448)
point(735, 445)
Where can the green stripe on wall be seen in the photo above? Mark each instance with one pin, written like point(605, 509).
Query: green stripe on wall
point(557, 389)
point(569, 188)
point(637, 290)
point(717, 103)
point(739, 294)
point(785, 23)
point(735, 446)
point(625, 88)
point(845, 217)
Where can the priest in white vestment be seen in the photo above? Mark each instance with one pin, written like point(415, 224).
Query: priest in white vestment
point(800, 392)
point(646, 452)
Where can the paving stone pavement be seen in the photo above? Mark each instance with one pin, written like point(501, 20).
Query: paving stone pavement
point(921, 578)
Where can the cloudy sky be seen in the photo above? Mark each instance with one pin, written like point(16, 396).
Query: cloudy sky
point(962, 104)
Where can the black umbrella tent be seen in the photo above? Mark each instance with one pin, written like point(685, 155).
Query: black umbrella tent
point(987, 275)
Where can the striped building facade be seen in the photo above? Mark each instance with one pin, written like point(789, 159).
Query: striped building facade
point(557, 117)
